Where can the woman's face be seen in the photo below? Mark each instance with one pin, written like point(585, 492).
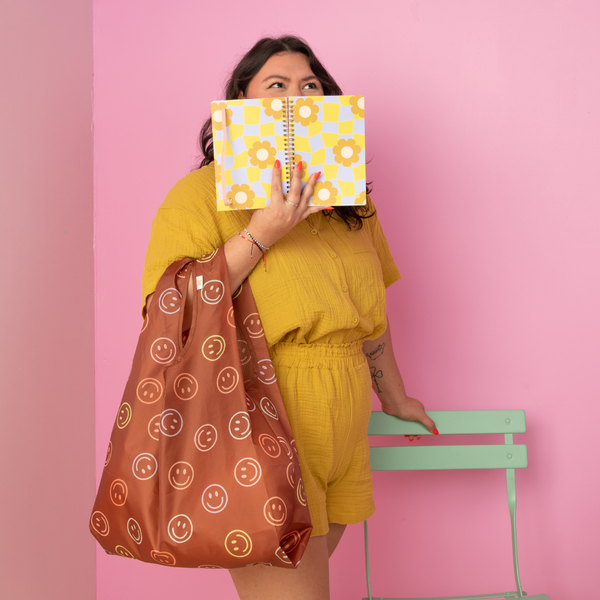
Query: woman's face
point(286, 74)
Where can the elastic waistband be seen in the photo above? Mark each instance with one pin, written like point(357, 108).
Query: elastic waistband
point(323, 356)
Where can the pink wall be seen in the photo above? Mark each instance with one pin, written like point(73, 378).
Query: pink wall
point(46, 303)
point(483, 127)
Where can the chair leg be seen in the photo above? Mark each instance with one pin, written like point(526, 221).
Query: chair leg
point(367, 561)
point(512, 507)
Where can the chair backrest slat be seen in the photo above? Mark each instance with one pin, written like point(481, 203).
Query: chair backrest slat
point(427, 458)
point(452, 422)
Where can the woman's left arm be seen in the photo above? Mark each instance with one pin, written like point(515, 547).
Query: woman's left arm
point(388, 384)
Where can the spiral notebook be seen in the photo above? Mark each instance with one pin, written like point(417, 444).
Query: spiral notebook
point(326, 133)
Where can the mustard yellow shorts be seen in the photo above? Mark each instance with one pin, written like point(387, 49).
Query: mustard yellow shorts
point(326, 390)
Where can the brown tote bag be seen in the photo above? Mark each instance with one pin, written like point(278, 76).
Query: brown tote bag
point(202, 468)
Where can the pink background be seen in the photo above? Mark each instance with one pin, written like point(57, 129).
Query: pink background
point(483, 127)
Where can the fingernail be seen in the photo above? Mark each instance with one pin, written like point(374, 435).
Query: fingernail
point(436, 432)
point(277, 164)
point(317, 175)
point(411, 440)
point(329, 208)
point(299, 165)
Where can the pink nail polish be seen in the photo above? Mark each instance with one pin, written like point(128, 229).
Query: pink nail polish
point(299, 165)
point(436, 432)
point(317, 175)
point(277, 164)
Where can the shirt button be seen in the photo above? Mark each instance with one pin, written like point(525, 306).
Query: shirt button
point(314, 231)
point(333, 255)
point(355, 320)
point(344, 288)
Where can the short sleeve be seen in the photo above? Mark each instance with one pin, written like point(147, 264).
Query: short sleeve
point(390, 271)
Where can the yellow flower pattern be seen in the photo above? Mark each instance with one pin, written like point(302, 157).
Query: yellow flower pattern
point(305, 111)
point(346, 152)
point(241, 196)
point(217, 116)
point(262, 155)
point(361, 198)
point(325, 194)
point(273, 107)
point(358, 106)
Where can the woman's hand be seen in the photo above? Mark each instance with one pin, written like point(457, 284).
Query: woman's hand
point(270, 224)
point(409, 409)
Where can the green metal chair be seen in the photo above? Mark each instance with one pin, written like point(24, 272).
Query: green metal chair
point(507, 456)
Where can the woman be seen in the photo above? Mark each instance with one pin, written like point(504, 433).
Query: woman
point(321, 300)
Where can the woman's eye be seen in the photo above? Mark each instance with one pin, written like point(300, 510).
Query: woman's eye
point(311, 86)
point(276, 84)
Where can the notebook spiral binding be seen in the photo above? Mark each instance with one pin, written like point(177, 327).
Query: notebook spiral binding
point(288, 141)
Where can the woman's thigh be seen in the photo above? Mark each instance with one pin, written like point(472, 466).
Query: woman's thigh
point(310, 581)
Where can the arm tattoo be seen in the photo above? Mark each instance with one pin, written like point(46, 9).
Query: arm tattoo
point(375, 354)
point(375, 374)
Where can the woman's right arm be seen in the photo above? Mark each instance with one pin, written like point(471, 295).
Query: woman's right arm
point(266, 226)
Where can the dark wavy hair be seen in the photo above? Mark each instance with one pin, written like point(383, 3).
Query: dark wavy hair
point(246, 69)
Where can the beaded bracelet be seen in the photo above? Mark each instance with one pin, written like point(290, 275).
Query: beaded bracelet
point(255, 242)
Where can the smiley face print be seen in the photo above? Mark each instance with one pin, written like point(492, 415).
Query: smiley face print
point(170, 301)
point(118, 492)
point(149, 390)
point(207, 257)
point(214, 498)
point(250, 404)
point(253, 326)
point(268, 408)
point(185, 386)
point(266, 371)
point(206, 437)
point(154, 427)
point(247, 472)
point(238, 543)
point(282, 556)
point(181, 475)
point(124, 416)
point(213, 347)
point(300, 492)
point(289, 541)
point(134, 530)
point(163, 350)
point(108, 453)
point(227, 380)
point(144, 466)
point(213, 291)
point(122, 551)
point(275, 511)
point(245, 356)
point(180, 528)
point(240, 426)
point(285, 446)
point(99, 523)
point(171, 422)
point(269, 445)
point(163, 558)
point(290, 473)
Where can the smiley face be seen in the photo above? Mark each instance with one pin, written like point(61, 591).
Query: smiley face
point(206, 437)
point(180, 528)
point(207, 257)
point(293, 445)
point(285, 446)
point(245, 356)
point(268, 408)
point(118, 492)
point(171, 422)
point(181, 475)
point(254, 326)
point(300, 492)
point(289, 541)
point(247, 472)
point(134, 530)
point(213, 291)
point(149, 390)
point(99, 523)
point(209, 567)
point(163, 350)
point(240, 426)
point(291, 474)
point(124, 415)
point(269, 445)
point(163, 558)
point(145, 324)
point(170, 301)
point(266, 371)
point(238, 543)
point(213, 347)
point(185, 386)
point(214, 498)
point(250, 404)
point(122, 551)
point(144, 466)
point(282, 556)
point(238, 291)
point(154, 427)
point(231, 317)
point(275, 511)
point(227, 380)
point(108, 453)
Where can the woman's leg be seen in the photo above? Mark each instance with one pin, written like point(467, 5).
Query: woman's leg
point(310, 581)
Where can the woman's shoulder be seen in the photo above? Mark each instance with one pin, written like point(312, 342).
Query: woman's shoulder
point(194, 193)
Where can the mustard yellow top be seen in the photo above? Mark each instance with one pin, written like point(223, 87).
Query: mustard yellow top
point(324, 283)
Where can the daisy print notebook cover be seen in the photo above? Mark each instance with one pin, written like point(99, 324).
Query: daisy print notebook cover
point(326, 133)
